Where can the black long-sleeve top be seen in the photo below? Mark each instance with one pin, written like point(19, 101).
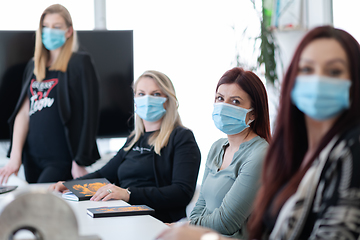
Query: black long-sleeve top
point(175, 170)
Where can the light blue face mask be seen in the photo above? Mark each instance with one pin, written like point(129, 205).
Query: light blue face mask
point(230, 119)
point(150, 108)
point(53, 38)
point(321, 97)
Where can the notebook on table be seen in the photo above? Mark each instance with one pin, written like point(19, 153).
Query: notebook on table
point(120, 211)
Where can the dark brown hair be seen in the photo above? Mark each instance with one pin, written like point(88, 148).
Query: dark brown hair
point(289, 145)
point(252, 85)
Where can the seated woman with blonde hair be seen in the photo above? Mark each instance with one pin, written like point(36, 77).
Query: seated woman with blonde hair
point(159, 163)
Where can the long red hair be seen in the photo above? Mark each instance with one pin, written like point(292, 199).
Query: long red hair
point(252, 85)
point(290, 143)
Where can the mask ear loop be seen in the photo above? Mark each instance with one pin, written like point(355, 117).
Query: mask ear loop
point(250, 120)
point(177, 103)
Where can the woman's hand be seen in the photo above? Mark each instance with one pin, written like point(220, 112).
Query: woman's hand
point(181, 222)
point(77, 171)
point(111, 191)
point(187, 232)
point(12, 167)
point(59, 186)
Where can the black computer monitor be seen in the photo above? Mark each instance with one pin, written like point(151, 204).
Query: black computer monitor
point(112, 53)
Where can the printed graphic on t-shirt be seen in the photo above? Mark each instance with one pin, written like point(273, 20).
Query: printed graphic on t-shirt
point(40, 94)
point(141, 150)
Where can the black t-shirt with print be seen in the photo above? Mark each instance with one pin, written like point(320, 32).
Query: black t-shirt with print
point(137, 169)
point(46, 137)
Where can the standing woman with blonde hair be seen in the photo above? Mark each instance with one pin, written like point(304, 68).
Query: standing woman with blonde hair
point(55, 121)
point(159, 163)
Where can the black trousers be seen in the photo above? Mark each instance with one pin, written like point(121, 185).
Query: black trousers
point(46, 170)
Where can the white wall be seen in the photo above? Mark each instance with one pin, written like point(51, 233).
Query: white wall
point(346, 13)
point(25, 15)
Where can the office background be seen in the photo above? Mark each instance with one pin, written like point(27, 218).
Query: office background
point(193, 42)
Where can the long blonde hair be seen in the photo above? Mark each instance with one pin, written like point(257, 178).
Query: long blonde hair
point(41, 55)
point(171, 119)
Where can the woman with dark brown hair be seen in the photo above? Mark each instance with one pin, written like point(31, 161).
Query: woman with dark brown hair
point(233, 167)
point(310, 186)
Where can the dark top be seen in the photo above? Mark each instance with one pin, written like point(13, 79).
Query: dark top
point(175, 172)
point(139, 158)
point(46, 137)
point(334, 211)
point(78, 104)
point(269, 218)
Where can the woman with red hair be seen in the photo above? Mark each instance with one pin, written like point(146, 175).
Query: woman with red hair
point(233, 167)
point(310, 186)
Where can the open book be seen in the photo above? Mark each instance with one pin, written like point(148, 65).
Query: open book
point(83, 189)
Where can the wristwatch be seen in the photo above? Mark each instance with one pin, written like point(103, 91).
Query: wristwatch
point(210, 236)
point(128, 191)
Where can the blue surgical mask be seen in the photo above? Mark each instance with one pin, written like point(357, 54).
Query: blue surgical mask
point(321, 97)
point(230, 119)
point(150, 108)
point(53, 38)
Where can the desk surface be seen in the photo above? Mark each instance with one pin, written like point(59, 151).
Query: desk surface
point(142, 227)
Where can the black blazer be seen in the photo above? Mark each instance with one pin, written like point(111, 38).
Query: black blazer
point(78, 93)
point(176, 171)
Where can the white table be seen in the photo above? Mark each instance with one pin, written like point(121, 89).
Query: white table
point(142, 227)
point(133, 227)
